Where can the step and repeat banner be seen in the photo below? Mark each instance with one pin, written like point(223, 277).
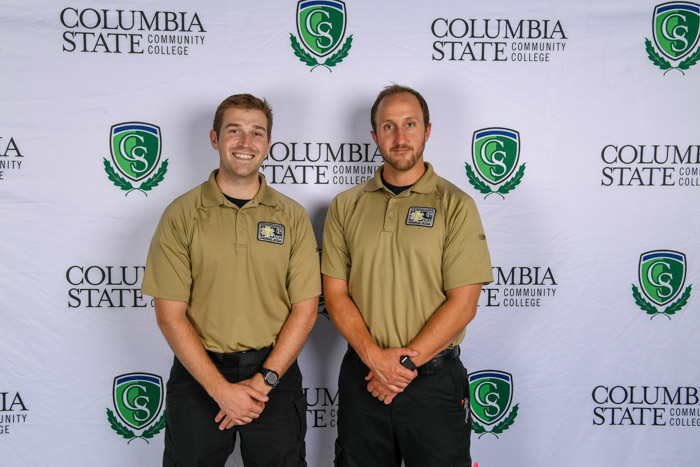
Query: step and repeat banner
point(574, 126)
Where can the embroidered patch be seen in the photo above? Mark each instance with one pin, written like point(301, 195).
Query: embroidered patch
point(269, 232)
point(424, 217)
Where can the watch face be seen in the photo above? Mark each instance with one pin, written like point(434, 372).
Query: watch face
point(271, 378)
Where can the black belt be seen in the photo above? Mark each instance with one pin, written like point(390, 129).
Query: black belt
point(250, 357)
point(426, 369)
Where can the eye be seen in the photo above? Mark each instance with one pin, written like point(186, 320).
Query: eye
point(411, 124)
point(388, 126)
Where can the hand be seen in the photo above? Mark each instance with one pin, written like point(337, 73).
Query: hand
point(380, 391)
point(240, 404)
point(386, 368)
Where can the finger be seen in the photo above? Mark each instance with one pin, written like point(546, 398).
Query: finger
point(369, 376)
point(219, 416)
point(400, 351)
point(258, 396)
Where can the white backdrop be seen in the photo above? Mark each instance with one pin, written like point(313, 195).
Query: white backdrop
point(608, 137)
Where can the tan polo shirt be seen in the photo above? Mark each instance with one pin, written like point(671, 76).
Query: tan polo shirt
point(400, 253)
point(239, 270)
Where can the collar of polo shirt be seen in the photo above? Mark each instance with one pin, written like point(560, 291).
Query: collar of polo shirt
point(212, 195)
point(425, 184)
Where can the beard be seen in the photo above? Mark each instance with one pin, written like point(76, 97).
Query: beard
point(406, 161)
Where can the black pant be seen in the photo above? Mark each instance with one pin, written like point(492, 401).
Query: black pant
point(426, 425)
point(193, 438)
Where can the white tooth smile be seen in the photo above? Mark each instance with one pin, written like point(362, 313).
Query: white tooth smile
point(242, 156)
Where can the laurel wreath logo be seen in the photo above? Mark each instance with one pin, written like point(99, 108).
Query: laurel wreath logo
point(498, 429)
point(126, 433)
point(650, 309)
point(483, 188)
point(664, 64)
point(126, 185)
point(311, 61)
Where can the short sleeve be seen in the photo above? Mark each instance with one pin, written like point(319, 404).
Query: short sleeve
point(335, 257)
point(303, 274)
point(466, 258)
point(168, 272)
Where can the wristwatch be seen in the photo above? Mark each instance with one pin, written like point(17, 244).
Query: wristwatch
point(271, 377)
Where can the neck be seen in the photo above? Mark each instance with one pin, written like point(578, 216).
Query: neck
point(404, 177)
point(238, 187)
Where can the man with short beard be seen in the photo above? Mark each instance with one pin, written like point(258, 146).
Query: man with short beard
point(404, 258)
point(233, 267)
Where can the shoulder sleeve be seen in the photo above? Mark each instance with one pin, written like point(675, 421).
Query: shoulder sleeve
point(303, 273)
point(168, 269)
point(335, 255)
point(466, 258)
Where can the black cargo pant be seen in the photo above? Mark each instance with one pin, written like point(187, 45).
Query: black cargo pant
point(275, 439)
point(426, 425)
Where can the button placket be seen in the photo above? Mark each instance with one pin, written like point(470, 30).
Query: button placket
point(391, 216)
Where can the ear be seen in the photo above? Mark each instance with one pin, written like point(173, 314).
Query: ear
point(214, 140)
point(269, 145)
point(374, 137)
point(427, 131)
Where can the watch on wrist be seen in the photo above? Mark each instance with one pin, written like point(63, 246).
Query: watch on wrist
point(271, 377)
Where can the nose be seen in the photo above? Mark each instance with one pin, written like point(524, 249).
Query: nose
point(245, 138)
point(400, 136)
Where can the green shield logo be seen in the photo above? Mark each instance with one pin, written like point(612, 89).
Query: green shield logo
point(662, 275)
point(491, 393)
point(676, 27)
point(138, 398)
point(495, 153)
point(321, 25)
point(135, 148)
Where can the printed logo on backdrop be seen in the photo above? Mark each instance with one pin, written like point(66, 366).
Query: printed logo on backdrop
point(661, 280)
point(135, 149)
point(13, 411)
point(654, 165)
point(321, 27)
point(291, 163)
point(138, 32)
point(520, 287)
point(138, 399)
point(107, 287)
point(660, 406)
point(495, 155)
point(676, 29)
point(322, 407)
point(491, 396)
point(11, 158)
point(497, 40)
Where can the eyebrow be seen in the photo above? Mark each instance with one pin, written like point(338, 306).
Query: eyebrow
point(237, 125)
point(392, 120)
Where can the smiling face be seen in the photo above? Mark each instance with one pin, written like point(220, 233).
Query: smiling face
point(242, 142)
point(401, 133)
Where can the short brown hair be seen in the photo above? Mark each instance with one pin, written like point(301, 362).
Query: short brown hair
point(243, 101)
point(396, 89)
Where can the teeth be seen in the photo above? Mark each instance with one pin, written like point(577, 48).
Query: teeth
point(242, 156)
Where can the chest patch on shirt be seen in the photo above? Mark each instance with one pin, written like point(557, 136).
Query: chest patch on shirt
point(423, 217)
point(270, 232)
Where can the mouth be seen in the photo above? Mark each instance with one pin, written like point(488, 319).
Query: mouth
point(401, 148)
point(243, 156)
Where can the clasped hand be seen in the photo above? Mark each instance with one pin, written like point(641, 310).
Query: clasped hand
point(387, 377)
point(241, 403)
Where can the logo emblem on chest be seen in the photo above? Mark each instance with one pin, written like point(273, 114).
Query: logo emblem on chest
point(271, 232)
point(423, 217)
